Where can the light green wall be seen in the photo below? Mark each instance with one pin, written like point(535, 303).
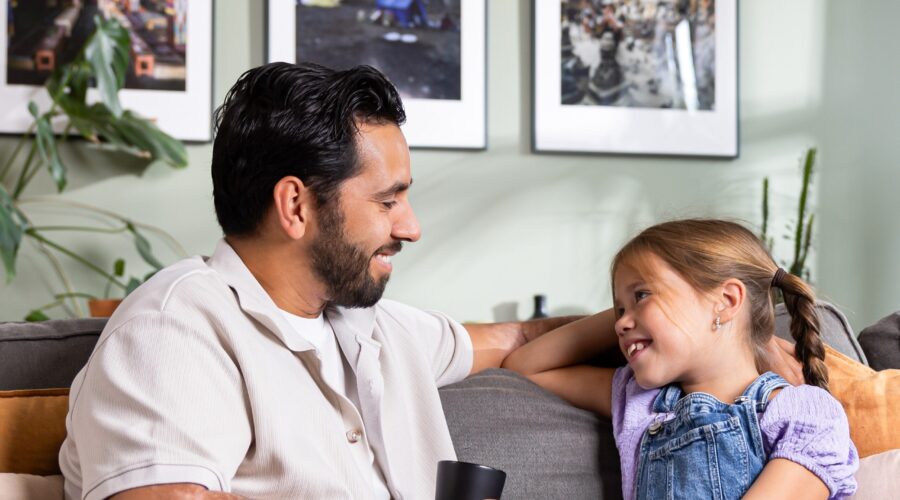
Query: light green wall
point(503, 224)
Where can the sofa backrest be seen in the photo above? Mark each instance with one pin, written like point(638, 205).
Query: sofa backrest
point(49, 354)
point(45, 355)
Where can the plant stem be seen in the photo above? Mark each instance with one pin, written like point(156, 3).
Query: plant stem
point(801, 209)
point(15, 153)
point(70, 295)
point(21, 182)
point(34, 234)
point(765, 212)
point(60, 273)
point(81, 228)
point(163, 235)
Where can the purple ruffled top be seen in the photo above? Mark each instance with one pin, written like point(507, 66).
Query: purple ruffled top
point(803, 424)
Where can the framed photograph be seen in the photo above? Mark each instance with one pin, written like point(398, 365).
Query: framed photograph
point(432, 50)
point(170, 74)
point(650, 77)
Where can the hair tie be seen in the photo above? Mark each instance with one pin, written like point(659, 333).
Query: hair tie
point(779, 276)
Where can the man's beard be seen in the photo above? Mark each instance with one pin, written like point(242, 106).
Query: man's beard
point(343, 266)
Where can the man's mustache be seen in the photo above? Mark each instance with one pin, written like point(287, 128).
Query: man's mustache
point(393, 247)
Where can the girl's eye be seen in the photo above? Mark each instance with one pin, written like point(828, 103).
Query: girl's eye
point(640, 295)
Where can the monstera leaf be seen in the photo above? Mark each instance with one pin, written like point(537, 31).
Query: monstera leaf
point(46, 143)
point(12, 227)
point(107, 53)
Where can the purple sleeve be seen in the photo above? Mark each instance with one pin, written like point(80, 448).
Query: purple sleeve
point(631, 414)
point(806, 425)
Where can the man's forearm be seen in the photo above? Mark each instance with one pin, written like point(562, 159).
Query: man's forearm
point(492, 342)
point(178, 491)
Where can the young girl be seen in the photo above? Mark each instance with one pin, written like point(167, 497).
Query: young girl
point(696, 413)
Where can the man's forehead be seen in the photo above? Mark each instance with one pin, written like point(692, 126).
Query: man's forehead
point(383, 157)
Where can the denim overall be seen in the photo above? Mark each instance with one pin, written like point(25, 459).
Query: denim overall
point(706, 448)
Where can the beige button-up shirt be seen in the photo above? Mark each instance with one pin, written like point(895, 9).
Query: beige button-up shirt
point(198, 378)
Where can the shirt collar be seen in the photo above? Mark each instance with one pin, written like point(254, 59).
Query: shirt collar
point(356, 324)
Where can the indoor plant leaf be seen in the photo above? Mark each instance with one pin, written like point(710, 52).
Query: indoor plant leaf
point(12, 226)
point(133, 283)
point(36, 315)
point(160, 145)
point(46, 143)
point(119, 267)
point(143, 247)
point(107, 53)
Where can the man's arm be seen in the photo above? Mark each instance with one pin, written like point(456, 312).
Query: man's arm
point(183, 491)
point(493, 342)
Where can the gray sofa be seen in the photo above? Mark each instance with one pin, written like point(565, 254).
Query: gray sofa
point(548, 448)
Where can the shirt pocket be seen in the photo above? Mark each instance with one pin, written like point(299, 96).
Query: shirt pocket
point(707, 461)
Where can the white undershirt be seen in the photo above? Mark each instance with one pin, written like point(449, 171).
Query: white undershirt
point(337, 374)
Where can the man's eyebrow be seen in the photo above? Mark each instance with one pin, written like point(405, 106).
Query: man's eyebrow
point(397, 187)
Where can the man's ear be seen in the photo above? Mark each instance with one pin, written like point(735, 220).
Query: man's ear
point(293, 203)
point(730, 298)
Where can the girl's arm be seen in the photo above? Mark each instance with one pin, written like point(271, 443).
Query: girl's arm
point(782, 478)
point(548, 359)
point(567, 345)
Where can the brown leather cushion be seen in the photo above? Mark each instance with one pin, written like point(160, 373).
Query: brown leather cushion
point(871, 400)
point(32, 430)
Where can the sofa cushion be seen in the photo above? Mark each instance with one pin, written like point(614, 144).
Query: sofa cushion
point(28, 486)
point(47, 354)
point(548, 448)
point(881, 342)
point(32, 430)
point(871, 400)
point(878, 477)
point(836, 330)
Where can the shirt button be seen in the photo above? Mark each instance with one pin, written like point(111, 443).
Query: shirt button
point(354, 436)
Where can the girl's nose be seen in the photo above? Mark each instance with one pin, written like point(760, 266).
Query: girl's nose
point(624, 324)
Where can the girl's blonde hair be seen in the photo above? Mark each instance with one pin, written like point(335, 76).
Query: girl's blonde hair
point(706, 252)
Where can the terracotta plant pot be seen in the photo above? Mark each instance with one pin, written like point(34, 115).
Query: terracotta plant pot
point(103, 308)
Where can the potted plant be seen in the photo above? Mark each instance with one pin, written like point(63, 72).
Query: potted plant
point(103, 60)
point(800, 230)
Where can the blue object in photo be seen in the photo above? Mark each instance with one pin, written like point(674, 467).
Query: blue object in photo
point(407, 13)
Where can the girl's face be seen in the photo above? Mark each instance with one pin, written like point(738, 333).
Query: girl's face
point(665, 328)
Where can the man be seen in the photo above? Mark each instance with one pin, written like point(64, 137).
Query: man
point(273, 369)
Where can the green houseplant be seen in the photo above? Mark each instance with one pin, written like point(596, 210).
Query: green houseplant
point(103, 60)
point(801, 229)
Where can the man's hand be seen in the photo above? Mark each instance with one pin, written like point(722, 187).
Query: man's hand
point(179, 491)
point(492, 342)
point(783, 362)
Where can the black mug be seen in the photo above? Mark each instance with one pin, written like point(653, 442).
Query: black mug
point(465, 481)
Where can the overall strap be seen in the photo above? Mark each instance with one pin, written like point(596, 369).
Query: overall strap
point(666, 399)
point(761, 389)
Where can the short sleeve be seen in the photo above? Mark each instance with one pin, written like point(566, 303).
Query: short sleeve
point(159, 402)
point(806, 425)
point(446, 343)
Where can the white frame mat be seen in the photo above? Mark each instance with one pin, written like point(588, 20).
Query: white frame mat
point(632, 130)
point(430, 123)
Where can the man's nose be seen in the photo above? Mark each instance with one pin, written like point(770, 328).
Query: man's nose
point(406, 228)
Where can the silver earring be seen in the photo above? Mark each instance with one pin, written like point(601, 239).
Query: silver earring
point(717, 324)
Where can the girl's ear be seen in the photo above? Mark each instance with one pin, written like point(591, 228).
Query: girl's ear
point(729, 299)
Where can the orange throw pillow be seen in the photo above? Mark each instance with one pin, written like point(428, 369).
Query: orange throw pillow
point(32, 430)
point(871, 400)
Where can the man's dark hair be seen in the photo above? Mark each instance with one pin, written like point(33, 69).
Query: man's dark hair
point(285, 119)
